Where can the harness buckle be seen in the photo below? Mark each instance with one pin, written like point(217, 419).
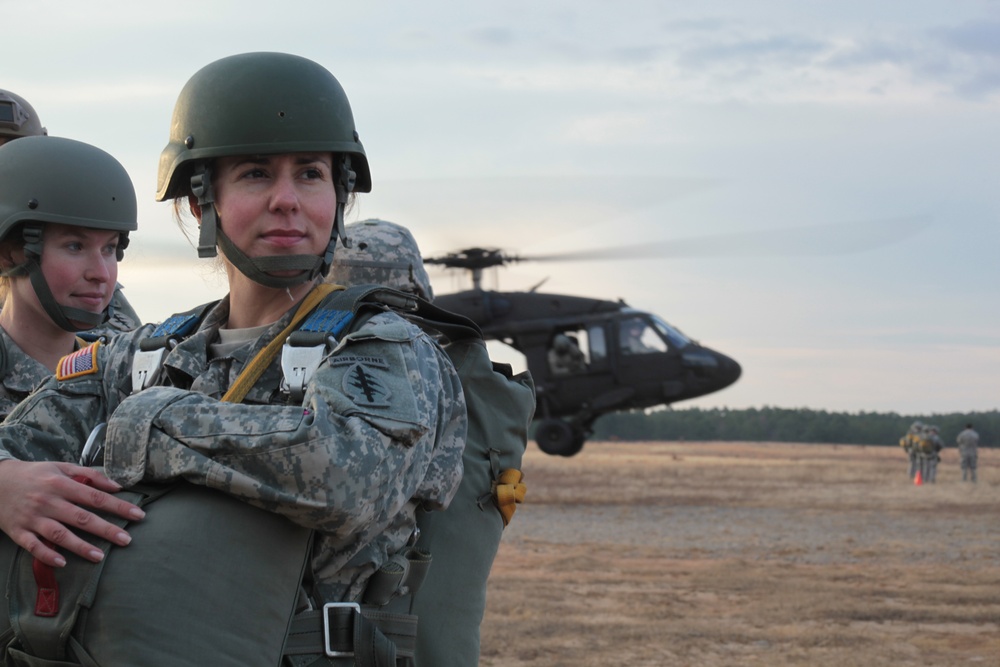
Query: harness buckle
point(298, 364)
point(327, 643)
point(146, 367)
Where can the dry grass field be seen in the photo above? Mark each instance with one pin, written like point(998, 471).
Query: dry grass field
point(711, 554)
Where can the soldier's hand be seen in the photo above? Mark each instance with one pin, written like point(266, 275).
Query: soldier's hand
point(40, 501)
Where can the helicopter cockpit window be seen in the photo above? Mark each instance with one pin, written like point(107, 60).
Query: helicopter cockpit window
point(637, 337)
point(673, 335)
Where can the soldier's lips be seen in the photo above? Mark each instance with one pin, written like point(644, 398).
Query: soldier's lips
point(92, 302)
point(283, 238)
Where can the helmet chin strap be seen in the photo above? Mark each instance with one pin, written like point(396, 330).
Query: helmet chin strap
point(260, 269)
point(63, 316)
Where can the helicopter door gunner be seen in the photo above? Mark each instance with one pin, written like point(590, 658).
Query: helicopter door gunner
point(565, 356)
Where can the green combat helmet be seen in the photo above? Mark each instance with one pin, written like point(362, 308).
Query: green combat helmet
point(382, 253)
point(18, 118)
point(260, 104)
point(51, 179)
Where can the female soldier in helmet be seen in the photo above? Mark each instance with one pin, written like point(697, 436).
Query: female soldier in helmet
point(264, 153)
point(60, 242)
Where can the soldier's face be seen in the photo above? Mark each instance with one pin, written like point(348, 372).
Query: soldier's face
point(277, 204)
point(80, 266)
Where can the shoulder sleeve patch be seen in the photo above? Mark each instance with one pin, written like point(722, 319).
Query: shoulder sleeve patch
point(81, 362)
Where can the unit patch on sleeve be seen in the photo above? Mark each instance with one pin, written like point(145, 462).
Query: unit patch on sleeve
point(81, 362)
point(366, 386)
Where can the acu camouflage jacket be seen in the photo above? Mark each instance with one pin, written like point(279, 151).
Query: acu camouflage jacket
point(379, 432)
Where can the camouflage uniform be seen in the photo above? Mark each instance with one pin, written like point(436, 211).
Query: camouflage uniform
point(19, 374)
point(968, 451)
point(934, 456)
point(911, 445)
point(350, 464)
point(122, 318)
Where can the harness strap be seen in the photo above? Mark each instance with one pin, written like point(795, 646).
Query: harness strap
point(305, 348)
point(402, 574)
point(252, 371)
point(374, 638)
point(148, 359)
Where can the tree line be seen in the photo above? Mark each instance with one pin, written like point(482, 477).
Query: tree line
point(770, 424)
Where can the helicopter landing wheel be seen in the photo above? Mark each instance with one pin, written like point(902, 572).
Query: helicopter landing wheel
point(557, 438)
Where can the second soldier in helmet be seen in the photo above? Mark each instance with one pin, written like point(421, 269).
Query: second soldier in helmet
point(66, 210)
point(382, 253)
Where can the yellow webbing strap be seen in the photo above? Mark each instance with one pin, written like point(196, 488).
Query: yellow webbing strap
point(252, 372)
point(509, 491)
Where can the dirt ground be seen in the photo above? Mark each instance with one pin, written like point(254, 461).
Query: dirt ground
point(712, 554)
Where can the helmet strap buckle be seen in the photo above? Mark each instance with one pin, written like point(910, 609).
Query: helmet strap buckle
point(201, 187)
point(32, 235)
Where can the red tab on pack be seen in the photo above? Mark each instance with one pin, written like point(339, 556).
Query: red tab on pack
point(81, 362)
point(47, 600)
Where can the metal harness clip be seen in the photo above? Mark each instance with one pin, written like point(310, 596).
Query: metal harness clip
point(298, 363)
point(146, 366)
point(327, 644)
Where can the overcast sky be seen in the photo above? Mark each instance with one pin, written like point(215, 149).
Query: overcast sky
point(539, 127)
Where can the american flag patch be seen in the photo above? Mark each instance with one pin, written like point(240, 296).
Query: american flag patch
point(81, 362)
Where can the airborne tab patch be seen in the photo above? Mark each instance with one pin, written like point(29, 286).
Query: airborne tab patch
point(365, 386)
point(81, 362)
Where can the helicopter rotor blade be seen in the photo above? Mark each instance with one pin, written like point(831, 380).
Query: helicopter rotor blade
point(831, 239)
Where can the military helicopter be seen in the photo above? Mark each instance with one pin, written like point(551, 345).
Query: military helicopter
point(587, 356)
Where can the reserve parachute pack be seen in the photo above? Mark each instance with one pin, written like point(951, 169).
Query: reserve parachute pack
point(139, 607)
point(462, 540)
point(246, 565)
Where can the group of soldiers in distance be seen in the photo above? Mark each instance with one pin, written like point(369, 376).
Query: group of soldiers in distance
point(923, 445)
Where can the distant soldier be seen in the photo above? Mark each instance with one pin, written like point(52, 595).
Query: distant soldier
point(968, 446)
point(565, 356)
point(911, 445)
point(932, 453)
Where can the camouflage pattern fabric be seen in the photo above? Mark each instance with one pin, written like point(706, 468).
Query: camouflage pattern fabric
point(379, 433)
point(19, 374)
point(968, 453)
point(968, 440)
point(123, 316)
point(381, 253)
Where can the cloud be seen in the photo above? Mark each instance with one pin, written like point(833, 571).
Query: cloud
point(492, 36)
point(769, 50)
point(977, 38)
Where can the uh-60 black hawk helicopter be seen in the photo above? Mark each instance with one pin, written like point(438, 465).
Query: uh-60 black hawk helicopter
point(587, 356)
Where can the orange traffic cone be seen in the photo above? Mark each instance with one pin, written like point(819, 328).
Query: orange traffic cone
point(918, 479)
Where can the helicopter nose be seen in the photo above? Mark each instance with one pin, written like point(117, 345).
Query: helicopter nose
point(716, 370)
point(729, 370)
